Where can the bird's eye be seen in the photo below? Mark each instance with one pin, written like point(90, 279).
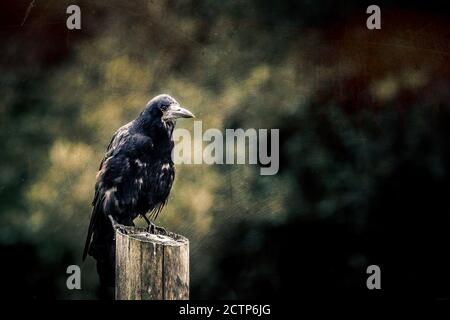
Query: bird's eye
point(164, 107)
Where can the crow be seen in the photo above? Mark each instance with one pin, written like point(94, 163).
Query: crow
point(134, 179)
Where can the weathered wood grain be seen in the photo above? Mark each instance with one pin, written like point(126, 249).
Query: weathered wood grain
point(151, 266)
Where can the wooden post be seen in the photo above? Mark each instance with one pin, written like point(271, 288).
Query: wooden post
point(151, 266)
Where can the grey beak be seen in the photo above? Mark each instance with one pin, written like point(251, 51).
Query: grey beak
point(176, 112)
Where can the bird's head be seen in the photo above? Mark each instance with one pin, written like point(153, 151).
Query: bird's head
point(167, 108)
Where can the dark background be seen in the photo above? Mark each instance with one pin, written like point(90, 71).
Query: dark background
point(363, 115)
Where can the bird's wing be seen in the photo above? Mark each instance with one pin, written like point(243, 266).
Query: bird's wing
point(163, 184)
point(118, 139)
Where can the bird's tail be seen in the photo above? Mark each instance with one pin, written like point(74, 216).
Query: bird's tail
point(100, 245)
point(103, 249)
point(106, 264)
point(89, 234)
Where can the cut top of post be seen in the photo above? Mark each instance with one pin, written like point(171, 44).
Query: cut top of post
point(160, 236)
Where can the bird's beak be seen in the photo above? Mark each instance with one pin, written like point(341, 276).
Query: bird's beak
point(175, 111)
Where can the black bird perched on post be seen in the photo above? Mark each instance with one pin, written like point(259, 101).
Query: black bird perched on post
point(134, 178)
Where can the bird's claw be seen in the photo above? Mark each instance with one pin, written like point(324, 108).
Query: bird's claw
point(121, 228)
point(154, 229)
point(118, 226)
point(161, 230)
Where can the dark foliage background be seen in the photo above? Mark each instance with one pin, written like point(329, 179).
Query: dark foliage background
point(363, 115)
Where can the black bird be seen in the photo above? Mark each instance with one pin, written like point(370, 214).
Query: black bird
point(134, 179)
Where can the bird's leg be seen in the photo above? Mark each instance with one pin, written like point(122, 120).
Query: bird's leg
point(117, 225)
point(150, 225)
